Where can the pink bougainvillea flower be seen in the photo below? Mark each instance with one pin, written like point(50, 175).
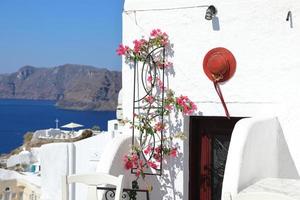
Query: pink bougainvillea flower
point(150, 99)
point(165, 39)
point(193, 106)
point(152, 164)
point(168, 107)
point(179, 101)
point(165, 65)
point(148, 150)
point(122, 50)
point(149, 78)
point(161, 37)
point(159, 126)
point(157, 157)
point(158, 149)
point(173, 152)
point(155, 32)
point(135, 159)
point(128, 164)
point(148, 155)
point(157, 154)
point(138, 172)
point(160, 84)
point(138, 45)
point(186, 105)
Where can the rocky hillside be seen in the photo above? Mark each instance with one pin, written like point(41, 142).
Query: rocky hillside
point(71, 86)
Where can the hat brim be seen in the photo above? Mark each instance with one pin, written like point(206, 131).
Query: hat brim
point(230, 59)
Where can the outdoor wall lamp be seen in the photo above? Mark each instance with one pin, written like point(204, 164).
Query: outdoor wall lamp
point(210, 12)
point(289, 16)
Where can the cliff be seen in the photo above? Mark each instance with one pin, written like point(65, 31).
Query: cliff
point(71, 86)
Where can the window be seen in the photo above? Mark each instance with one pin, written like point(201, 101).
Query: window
point(115, 126)
point(20, 195)
point(7, 195)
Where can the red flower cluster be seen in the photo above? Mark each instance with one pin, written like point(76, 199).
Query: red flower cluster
point(148, 150)
point(142, 47)
point(138, 45)
point(155, 32)
point(162, 37)
point(134, 162)
point(160, 84)
point(165, 65)
point(130, 161)
point(156, 152)
point(149, 79)
point(152, 164)
point(150, 153)
point(122, 50)
point(168, 107)
point(150, 99)
point(173, 153)
point(159, 126)
point(185, 105)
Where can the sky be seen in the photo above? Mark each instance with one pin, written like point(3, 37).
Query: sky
point(47, 33)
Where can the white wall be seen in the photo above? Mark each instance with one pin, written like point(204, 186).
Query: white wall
point(262, 41)
point(246, 165)
point(58, 159)
point(20, 158)
point(88, 154)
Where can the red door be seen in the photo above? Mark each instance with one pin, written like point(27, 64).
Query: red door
point(205, 167)
point(208, 142)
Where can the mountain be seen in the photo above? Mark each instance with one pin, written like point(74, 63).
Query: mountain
point(72, 86)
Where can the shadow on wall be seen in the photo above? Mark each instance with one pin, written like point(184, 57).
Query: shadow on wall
point(113, 154)
point(215, 23)
point(164, 186)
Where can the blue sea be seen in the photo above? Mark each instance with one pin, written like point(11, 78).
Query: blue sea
point(20, 116)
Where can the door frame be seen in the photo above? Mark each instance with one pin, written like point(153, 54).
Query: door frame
point(207, 124)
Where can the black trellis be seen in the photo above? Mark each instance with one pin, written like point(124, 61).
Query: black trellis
point(152, 66)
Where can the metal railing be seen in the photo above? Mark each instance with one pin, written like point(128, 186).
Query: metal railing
point(128, 194)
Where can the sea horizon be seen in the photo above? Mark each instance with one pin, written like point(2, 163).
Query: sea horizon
point(19, 116)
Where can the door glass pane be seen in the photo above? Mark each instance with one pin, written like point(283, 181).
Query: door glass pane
point(220, 146)
point(6, 195)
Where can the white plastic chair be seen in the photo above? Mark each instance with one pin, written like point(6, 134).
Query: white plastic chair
point(92, 180)
point(262, 196)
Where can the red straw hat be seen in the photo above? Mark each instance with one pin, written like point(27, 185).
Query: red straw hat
point(219, 64)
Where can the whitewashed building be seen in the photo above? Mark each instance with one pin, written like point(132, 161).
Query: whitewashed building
point(264, 39)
